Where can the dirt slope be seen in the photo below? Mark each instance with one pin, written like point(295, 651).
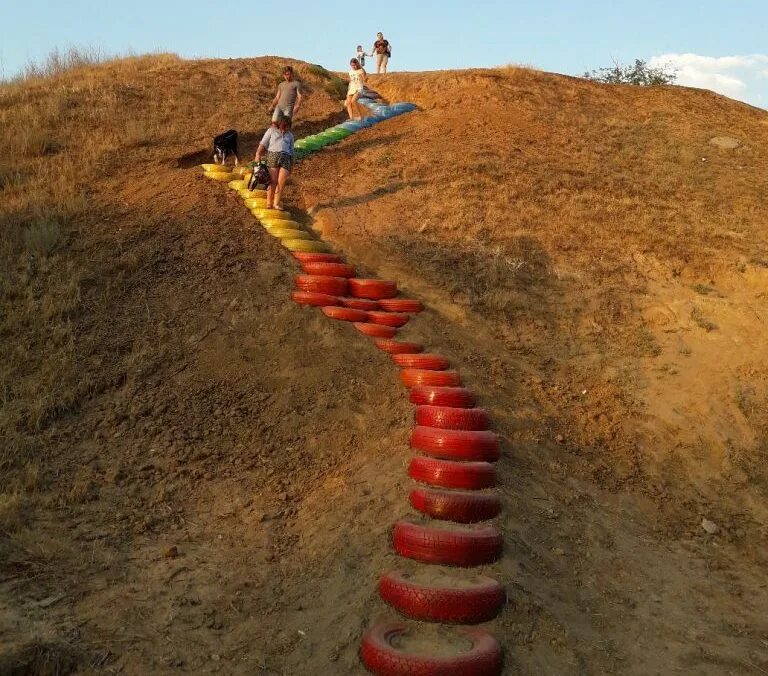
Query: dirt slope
point(201, 477)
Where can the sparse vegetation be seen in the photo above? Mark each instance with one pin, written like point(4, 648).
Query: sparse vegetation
point(42, 236)
point(318, 70)
point(639, 74)
point(152, 377)
point(58, 62)
point(701, 321)
point(703, 289)
point(336, 87)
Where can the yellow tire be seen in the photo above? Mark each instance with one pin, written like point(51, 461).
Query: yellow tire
point(253, 194)
point(256, 203)
point(287, 233)
point(270, 223)
point(239, 184)
point(218, 175)
point(275, 215)
point(215, 167)
point(309, 245)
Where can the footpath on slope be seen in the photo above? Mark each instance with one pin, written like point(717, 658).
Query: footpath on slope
point(453, 435)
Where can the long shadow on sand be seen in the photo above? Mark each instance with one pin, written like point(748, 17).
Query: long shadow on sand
point(370, 196)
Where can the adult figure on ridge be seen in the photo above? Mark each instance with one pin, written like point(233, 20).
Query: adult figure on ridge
point(287, 101)
point(383, 50)
point(357, 78)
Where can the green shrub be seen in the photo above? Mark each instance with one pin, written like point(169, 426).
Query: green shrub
point(336, 87)
point(640, 74)
point(319, 71)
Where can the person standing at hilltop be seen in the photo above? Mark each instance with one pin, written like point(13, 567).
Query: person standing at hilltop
point(383, 50)
point(360, 56)
point(287, 101)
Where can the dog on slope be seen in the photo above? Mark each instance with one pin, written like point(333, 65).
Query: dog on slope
point(224, 146)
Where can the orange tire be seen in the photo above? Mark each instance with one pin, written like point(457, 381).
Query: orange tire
point(398, 347)
point(388, 318)
point(431, 362)
point(458, 397)
point(401, 305)
point(345, 314)
point(480, 601)
point(311, 257)
point(329, 269)
point(359, 303)
point(458, 506)
point(475, 445)
point(450, 418)
point(382, 656)
point(375, 289)
point(334, 286)
point(376, 330)
point(413, 377)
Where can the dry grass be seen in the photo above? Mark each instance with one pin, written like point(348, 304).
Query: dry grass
point(565, 180)
point(594, 174)
point(71, 124)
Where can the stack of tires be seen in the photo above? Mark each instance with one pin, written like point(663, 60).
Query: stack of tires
point(453, 467)
point(454, 476)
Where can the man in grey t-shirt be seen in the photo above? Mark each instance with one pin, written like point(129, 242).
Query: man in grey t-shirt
point(287, 101)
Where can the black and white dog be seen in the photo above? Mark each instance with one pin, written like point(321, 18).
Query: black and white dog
point(225, 145)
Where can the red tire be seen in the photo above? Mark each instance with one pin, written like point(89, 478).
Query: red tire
point(412, 377)
point(463, 548)
point(479, 602)
point(345, 314)
point(398, 347)
point(459, 506)
point(388, 318)
point(376, 289)
point(376, 330)
point(380, 657)
point(447, 417)
point(457, 397)
point(359, 303)
point(401, 305)
point(335, 286)
point(312, 298)
point(328, 269)
point(456, 444)
point(447, 474)
point(431, 362)
point(313, 257)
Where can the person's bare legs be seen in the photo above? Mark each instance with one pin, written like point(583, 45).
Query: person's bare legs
point(351, 107)
point(356, 107)
point(282, 178)
point(274, 174)
point(362, 111)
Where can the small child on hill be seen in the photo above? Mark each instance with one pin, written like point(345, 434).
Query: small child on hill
point(361, 55)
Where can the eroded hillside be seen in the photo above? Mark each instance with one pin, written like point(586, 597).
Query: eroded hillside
point(201, 477)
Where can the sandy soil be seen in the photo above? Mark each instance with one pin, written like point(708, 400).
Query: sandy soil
point(218, 495)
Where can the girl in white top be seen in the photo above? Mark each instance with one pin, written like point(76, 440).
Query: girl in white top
point(357, 79)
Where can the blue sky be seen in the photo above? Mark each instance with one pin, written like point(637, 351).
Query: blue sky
point(716, 44)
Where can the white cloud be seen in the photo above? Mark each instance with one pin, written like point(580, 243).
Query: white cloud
point(740, 77)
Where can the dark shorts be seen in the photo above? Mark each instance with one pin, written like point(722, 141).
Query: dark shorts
point(280, 160)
